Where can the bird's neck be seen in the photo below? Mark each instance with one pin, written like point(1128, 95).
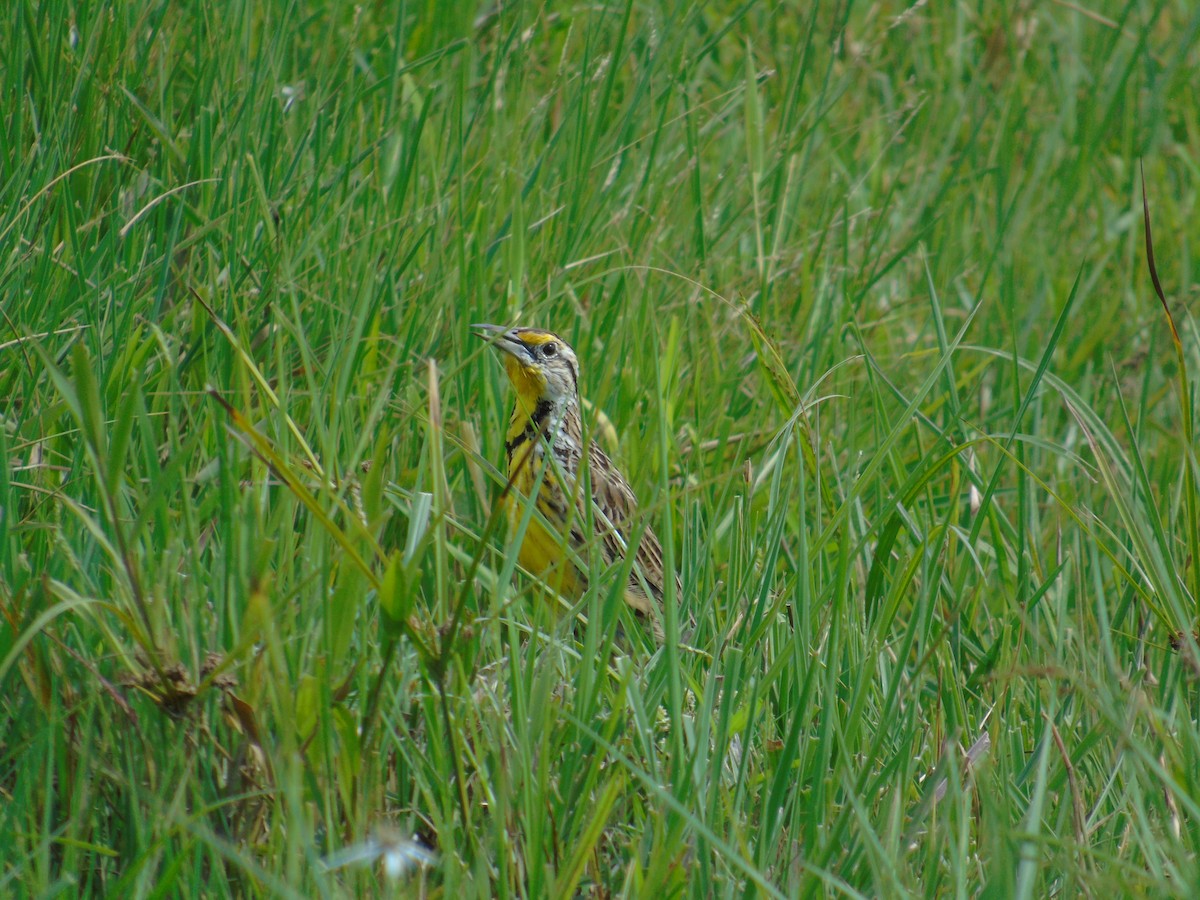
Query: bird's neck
point(538, 416)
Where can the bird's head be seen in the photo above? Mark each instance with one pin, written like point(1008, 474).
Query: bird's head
point(541, 366)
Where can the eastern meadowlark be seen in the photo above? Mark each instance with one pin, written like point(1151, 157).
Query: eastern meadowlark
point(545, 449)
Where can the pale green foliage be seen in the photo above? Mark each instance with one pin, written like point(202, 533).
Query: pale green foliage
point(860, 287)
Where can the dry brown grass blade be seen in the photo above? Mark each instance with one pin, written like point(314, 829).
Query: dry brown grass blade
point(1162, 297)
point(1185, 407)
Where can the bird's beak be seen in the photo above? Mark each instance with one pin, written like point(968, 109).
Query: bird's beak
point(502, 338)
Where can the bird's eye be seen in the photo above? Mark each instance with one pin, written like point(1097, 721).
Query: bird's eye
point(550, 350)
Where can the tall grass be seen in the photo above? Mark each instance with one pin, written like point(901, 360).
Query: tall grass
point(860, 294)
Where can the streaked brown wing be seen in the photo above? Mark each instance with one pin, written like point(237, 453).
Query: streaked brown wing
point(615, 499)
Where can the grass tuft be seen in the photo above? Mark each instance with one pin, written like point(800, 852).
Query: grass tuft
point(860, 298)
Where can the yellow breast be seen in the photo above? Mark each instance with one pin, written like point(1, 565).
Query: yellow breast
point(542, 549)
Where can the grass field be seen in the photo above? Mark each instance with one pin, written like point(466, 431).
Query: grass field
point(860, 288)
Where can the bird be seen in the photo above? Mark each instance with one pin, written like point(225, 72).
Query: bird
point(545, 450)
